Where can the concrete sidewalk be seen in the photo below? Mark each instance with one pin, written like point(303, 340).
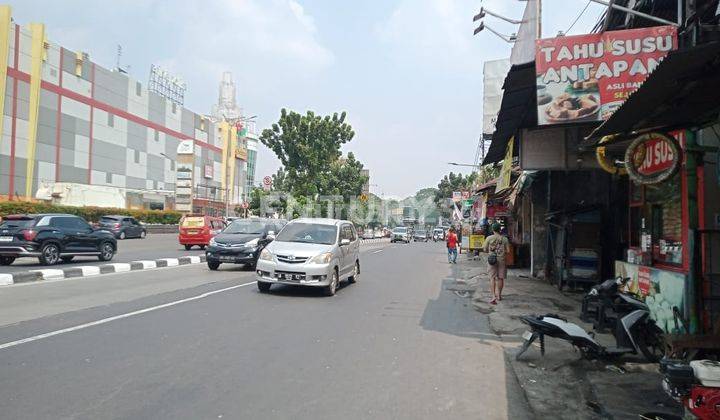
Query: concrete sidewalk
point(561, 385)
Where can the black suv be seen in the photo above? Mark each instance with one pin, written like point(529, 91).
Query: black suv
point(123, 226)
point(52, 238)
point(241, 241)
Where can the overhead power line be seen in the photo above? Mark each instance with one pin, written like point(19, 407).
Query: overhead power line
point(582, 12)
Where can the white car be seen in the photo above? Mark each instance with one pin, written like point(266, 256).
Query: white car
point(368, 234)
point(311, 252)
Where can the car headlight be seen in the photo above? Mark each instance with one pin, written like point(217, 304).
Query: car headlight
point(212, 242)
point(251, 244)
point(266, 255)
point(323, 258)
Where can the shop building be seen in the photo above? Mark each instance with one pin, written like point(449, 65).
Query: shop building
point(659, 225)
point(74, 130)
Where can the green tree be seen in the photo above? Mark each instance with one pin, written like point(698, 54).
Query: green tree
point(344, 178)
point(307, 146)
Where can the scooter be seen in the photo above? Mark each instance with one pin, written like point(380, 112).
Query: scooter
point(696, 385)
point(635, 333)
point(605, 304)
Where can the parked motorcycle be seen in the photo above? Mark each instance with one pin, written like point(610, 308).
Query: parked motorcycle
point(605, 303)
point(696, 385)
point(635, 333)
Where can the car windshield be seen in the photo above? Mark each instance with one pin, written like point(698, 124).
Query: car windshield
point(245, 226)
point(17, 223)
point(193, 222)
point(308, 233)
point(399, 230)
point(108, 220)
point(421, 232)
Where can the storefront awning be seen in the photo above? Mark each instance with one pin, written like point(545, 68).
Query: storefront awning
point(517, 110)
point(681, 92)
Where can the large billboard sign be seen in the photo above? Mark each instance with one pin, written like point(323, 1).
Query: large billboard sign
point(587, 77)
point(494, 73)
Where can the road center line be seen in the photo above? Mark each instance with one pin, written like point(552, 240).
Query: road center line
point(379, 250)
point(117, 317)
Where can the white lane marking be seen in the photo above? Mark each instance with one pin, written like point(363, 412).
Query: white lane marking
point(171, 262)
point(117, 317)
point(378, 251)
point(50, 273)
point(120, 267)
point(147, 264)
point(6, 279)
point(89, 270)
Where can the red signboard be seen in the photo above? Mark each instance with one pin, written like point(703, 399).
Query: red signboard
point(644, 280)
point(658, 156)
point(496, 210)
point(587, 77)
point(653, 157)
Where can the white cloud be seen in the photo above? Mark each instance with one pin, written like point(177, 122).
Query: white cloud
point(438, 32)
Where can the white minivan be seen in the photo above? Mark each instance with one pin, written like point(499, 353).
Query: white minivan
point(311, 252)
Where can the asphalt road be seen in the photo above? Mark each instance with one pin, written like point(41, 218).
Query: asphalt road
point(187, 343)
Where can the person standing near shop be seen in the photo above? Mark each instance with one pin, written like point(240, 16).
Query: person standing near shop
point(452, 242)
point(497, 246)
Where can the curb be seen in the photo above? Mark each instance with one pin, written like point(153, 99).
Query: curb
point(95, 270)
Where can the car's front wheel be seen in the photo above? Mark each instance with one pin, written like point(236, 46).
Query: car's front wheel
point(263, 287)
point(213, 265)
point(187, 247)
point(143, 234)
point(6, 260)
point(331, 288)
point(49, 254)
point(107, 251)
point(122, 235)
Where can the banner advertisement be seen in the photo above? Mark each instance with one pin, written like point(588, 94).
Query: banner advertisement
point(660, 289)
point(241, 153)
point(587, 77)
point(494, 73)
point(503, 181)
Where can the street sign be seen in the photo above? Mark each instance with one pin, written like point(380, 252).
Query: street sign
point(363, 197)
point(244, 205)
point(465, 195)
point(267, 180)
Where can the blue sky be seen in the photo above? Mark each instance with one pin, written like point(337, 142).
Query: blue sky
point(408, 72)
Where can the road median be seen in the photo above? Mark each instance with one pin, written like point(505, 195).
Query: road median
point(95, 270)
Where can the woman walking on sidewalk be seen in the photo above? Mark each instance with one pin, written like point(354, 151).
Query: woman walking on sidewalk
point(497, 246)
point(451, 241)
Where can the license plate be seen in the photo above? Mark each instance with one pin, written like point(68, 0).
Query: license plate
point(6, 238)
point(192, 232)
point(527, 335)
point(226, 258)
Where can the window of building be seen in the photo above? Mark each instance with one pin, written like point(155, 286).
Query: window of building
point(658, 218)
point(174, 108)
point(172, 165)
point(157, 135)
point(111, 120)
point(138, 88)
point(137, 156)
point(108, 178)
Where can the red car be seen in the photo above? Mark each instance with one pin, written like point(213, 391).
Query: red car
point(196, 229)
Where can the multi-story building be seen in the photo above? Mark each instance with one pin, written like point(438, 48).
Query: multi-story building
point(228, 110)
point(77, 133)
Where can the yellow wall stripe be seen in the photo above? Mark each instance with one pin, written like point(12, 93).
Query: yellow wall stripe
point(5, 15)
point(36, 56)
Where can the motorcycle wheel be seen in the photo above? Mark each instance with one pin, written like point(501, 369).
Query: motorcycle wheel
point(651, 342)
